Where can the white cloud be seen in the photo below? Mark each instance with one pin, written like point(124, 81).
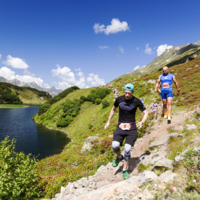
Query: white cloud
point(45, 85)
point(137, 48)
point(9, 74)
point(116, 26)
point(148, 50)
point(0, 56)
point(121, 49)
point(67, 77)
point(143, 66)
point(28, 73)
point(17, 63)
point(162, 48)
point(94, 80)
point(137, 67)
point(104, 47)
point(87, 87)
point(79, 69)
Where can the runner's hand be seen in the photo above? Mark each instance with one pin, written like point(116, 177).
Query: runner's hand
point(106, 126)
point(139, 125)
point(155, 90)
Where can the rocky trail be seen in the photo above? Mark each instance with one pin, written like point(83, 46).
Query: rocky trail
point(108, 183)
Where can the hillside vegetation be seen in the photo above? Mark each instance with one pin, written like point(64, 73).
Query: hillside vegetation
point(11, 94)
point(90, 118)
point(171, 57)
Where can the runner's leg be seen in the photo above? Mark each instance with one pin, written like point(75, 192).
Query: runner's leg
point(127, 155)
point(165, 107)
point(169, 102)
point(116, 149)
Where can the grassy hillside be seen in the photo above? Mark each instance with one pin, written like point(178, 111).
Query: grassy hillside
point(169, 58)
point(21, 95)
point(89, 120)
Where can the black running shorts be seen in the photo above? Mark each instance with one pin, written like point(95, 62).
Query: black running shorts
point(131, 135)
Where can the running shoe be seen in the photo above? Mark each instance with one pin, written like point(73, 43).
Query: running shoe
point(117, 161)
point(165, 117)
point(125, 174)
point(169, 120)
point(162, 115)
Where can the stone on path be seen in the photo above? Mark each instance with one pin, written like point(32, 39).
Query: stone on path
point(117, 191)
point(163, 140)
point(191, 127)
point(164, 162)
point(167, 176)
point(147, 176)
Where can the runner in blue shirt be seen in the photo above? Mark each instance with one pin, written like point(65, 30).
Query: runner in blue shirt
point(165, 81)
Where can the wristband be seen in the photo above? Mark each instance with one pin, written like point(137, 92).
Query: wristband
point(142, 122)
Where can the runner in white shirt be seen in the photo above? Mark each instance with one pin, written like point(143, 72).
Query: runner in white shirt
point(154, 107)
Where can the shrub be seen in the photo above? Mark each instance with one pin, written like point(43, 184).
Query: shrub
point(63, 122)
point(43, 108)
point(98, 101)
point(83, 98)
point(98, 93)
point(105, 103)
point(90, 126)
point(18, 178)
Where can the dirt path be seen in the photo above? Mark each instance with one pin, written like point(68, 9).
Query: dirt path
point(110, 174)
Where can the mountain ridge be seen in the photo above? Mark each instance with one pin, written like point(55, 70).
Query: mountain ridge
point(52, 91)
point(170, 57)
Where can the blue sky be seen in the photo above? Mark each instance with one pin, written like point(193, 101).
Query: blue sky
point(54, 43)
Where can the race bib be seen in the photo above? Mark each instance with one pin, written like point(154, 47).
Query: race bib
point(165, 85)
point(125, 126)
point(154, 108)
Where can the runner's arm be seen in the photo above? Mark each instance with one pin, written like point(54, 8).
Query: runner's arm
point(110, 117)
point(176, 83)
point(139, 124)
point(157, 84)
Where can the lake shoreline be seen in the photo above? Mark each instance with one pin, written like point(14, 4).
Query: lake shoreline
point(55, 129)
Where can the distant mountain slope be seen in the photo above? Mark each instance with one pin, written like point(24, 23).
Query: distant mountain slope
point(13, 94)
point(52, 91)
point(175, 55)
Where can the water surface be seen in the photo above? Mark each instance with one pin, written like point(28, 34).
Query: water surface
point(31, 137)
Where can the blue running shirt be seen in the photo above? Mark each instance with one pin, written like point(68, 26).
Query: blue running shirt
point(166, 82)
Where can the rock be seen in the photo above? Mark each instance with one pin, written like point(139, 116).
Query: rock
point(154, 160)
point(117, 191)
point(151, 81)
point(167, 176)
point(191, 127)
point(163, 140)
point(134, 180)
point(147, 176)
point(42, 98)
point(164, 162)
point(102, 169)
point(178, 128)
point(145, 160)
point(102, 183)
point(88, 144)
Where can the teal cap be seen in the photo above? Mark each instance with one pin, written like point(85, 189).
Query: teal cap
point(129, 86)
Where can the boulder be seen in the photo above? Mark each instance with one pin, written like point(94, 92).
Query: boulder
point(88, 143)
point(191, 127)
point(42, 98)
point(147, 176)
point(117, 191)
point(167, 176)
point(154, 160)
point(178, 128)
point(164, 162)
point(163, 140)
point(151, 81)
